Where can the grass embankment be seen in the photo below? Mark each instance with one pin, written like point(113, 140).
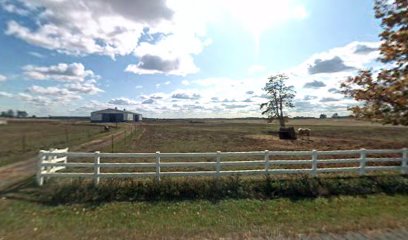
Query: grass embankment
point(21, 140)
point(177, 189)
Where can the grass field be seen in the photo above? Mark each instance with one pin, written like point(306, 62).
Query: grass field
point(24, 215)
point(23, 139)
point(236, 219)
point(184, 136)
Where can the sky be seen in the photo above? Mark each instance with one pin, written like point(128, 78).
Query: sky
point(181, 58)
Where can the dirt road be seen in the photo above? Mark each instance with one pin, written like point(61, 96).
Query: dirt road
point(12, 174)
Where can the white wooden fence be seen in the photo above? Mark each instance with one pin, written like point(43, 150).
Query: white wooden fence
point(50, 162)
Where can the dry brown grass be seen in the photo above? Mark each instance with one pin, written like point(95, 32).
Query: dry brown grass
point(22, 139)
point(236, 135)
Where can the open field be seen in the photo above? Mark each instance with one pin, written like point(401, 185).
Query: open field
point(250, 135)
point(240, 135)
point(22, 139)
point(113, 214)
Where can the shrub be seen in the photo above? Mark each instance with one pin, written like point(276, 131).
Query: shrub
point(175, 189)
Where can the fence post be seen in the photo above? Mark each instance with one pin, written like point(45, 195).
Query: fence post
point(40, 178)
point(66, 158)
point(363, 154)
point(314, 163)
point(404, 162)
point(218, 166)
point(158, 165)
point(112, 142)
point(48, 169)
point(97, 168)
point(266, 158)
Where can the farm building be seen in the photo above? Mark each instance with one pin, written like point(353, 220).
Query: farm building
point(115, 115)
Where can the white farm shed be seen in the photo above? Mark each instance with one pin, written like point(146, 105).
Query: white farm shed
point(115, 115)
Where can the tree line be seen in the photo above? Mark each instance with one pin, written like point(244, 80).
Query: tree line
point(15, 114)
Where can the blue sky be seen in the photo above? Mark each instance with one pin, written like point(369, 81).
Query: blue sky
point(180, 58)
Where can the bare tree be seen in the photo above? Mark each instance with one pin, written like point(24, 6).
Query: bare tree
point(279, 96)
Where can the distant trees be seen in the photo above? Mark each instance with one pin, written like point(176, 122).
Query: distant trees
point(335, 115)
point(385, 96)
point(22, 114)
point(279, 96)
point(11, 114)
point(323, 116)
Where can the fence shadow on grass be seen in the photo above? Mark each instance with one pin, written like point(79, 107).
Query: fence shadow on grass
point(171, 189)
point(26, 190)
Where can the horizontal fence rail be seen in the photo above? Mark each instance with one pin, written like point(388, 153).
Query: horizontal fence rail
point(53, 161)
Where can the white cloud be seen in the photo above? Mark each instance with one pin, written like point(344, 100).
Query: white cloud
point(120, 28)
point(5, 94)
point(74, 72)
point(149, 64)
point(2, 78)
point(336, 64)
point(148, 101)
point(90, 106)
point(139, 87)
point(12, 8)
point(73, 81)
point(91, 27)
point(52, 91)
point(185, 95)
point(171, 55)
point(183, 38)
point(55, 94)
point(320, 75)
point(256, 69)
point(88, 87)
point(66, 90)
point(227, 97)
point(163, 35)
point(314, 84)
point(329, 99)
point(35, 100)
point(339, 59)
point(122, 101)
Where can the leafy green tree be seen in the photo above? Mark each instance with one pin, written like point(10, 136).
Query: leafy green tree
point(323, 116)
point(22, 114)
point(279, 96)
point(10, 113)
